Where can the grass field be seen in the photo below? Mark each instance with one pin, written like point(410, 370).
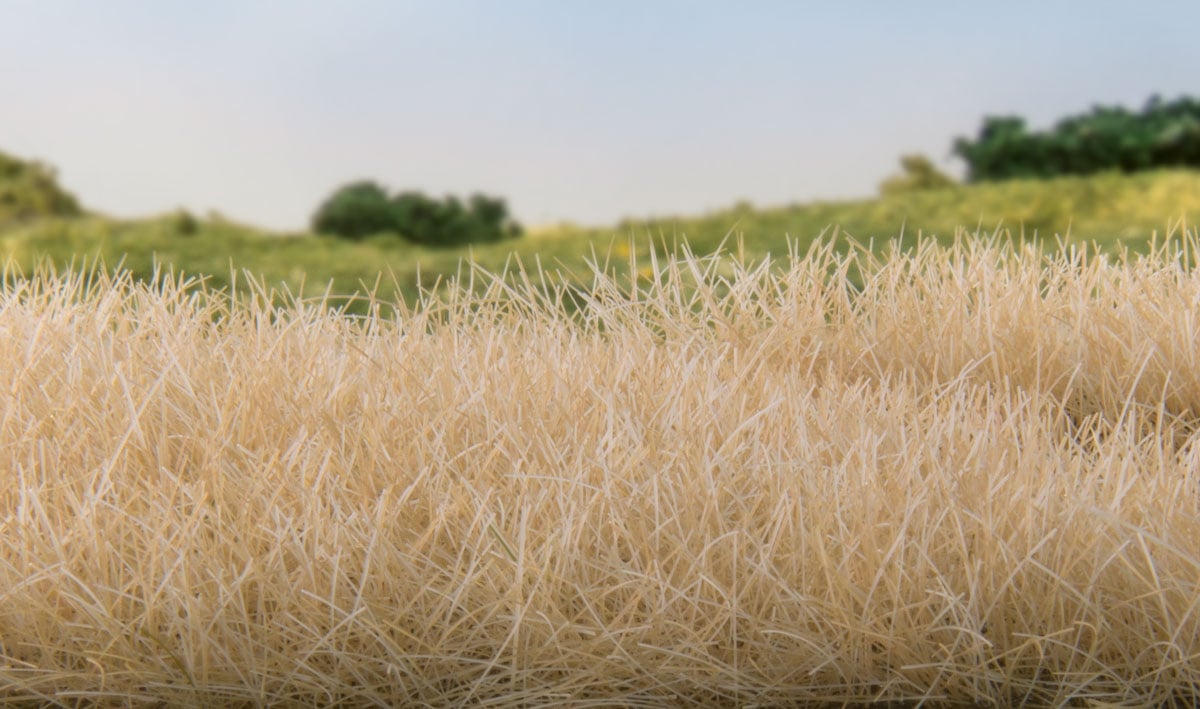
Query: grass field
point(1111, 209)
point(971, 477)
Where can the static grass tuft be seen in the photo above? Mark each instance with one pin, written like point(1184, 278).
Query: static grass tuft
point(964, 474)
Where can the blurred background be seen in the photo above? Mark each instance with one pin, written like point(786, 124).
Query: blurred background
point(586, 112)
point(573, 121)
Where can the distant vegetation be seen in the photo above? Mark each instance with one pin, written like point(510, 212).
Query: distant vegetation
point(1162, 134)
point(29, 189)
point(919, 174)
point(361, 209)
point(1111, 209)
point(400, 244)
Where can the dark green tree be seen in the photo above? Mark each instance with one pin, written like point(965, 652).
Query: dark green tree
point(1161, 134)
point(492, 214)
point(355, 211)
point(419, 218)
point(364, 208)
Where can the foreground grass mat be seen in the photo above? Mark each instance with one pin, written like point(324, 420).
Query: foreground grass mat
point(968, 475)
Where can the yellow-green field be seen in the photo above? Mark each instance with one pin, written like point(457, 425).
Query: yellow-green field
point(971, 476)
point(1113, 210)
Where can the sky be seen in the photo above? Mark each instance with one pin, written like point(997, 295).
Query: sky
point(572, 110)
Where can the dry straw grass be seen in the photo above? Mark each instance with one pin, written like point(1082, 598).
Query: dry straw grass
point(972, 480)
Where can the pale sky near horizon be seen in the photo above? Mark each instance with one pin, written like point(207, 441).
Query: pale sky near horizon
point(571, 110)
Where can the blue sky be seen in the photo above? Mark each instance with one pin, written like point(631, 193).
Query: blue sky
point(582, 111)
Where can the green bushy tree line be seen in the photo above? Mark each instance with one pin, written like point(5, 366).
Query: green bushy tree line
point(360, 209)
point(30, 189)
point(1162, 134)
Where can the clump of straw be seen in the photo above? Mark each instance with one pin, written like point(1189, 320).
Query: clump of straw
point(963, 475)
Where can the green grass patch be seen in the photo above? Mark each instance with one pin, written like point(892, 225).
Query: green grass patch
point(1110, 210)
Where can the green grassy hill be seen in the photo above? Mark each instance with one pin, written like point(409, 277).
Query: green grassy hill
point(1109, 209)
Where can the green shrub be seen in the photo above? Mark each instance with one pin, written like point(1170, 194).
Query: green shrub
point(29, 189)
point(449, 222)
point(185, 223)
point(364, 208)
point(919, 174)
